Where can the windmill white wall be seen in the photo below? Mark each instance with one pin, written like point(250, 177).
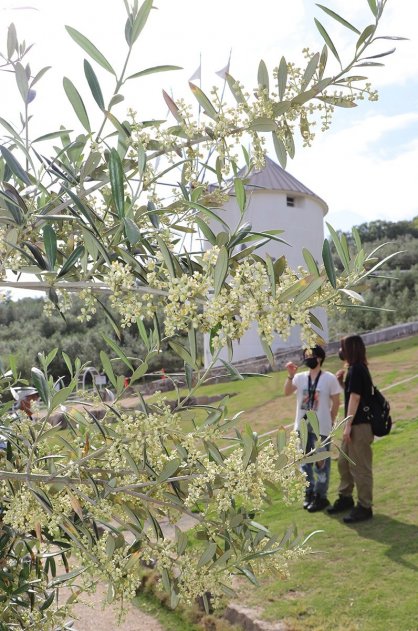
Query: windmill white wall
point(276, 200)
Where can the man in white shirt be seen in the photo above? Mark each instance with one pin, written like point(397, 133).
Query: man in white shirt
point(319, 391)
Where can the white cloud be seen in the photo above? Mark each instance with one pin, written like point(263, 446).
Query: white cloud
point(357, 179)
point(357, 167)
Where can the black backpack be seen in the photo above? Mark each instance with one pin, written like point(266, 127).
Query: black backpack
point(377, 412)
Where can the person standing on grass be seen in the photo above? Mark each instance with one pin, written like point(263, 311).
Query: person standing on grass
point(319, 391)
point(357, 437)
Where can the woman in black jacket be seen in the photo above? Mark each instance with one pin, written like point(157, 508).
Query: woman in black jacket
point(357, 435)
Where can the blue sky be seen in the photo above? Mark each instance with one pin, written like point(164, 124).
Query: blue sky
point(364, 167)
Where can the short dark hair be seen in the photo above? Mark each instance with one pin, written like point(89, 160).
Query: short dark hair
point(316, 351)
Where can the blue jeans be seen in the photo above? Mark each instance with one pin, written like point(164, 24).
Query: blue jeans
point(316, 475)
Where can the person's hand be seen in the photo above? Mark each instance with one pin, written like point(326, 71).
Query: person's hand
point(340, 376)
point(291, 369)
point(347, 433)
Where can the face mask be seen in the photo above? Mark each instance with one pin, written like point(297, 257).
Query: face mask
point(311, 362)
point(341, 355)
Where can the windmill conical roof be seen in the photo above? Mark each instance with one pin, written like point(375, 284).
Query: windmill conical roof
point(273, 178)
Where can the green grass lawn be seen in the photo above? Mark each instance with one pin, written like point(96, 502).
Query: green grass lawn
point(362, 577)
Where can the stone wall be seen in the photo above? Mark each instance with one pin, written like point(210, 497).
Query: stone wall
point(261, 365)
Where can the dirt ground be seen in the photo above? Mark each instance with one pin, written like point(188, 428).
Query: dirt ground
point(91, 616)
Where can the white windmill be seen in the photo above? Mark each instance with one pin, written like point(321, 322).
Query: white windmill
point(277, 200)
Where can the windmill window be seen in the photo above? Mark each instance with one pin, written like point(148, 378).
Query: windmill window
point(290, 201)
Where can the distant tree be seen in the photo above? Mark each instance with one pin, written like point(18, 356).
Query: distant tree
point(390, 295)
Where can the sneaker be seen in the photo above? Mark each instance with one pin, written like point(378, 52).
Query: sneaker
point(341, 504)
point(318, 503)
point(309, 496)
point(358, 513)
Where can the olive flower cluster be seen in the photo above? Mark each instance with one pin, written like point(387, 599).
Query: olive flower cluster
point(236, 477)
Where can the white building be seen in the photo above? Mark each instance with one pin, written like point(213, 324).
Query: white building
point(277, 200)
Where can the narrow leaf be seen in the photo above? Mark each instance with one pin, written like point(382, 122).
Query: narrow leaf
point(39, 75)
point(77, 103)
point(14, 165)
point(203, 101)
point(41, 385)
point(90, 49)
point(280, 149)
point(61, 396)
point(235, 374)
point(282, 78)
point(310, 71)
point(338, 101)
point(271, 275)
point(37, 254)
point(140, 20)
point(169, 470)
point(119, 352)
point(107, 367)
point(240, 194)
point(339, 18)
point(152, 70)
point(63, 578)
point(207, 554)
point(172, 107)
point(12, 42)
point(373, 7)
point(133, 233)
point(206, 231)
point(50, 243)
point(268, 352)
point(263, 76)
point(116, 182)
point(71, 261)
point(235, 89)
point(368, 32)
point(138, 372)
point(311, 289)
point(353, 294)
point(327, 39)
point(22, 81)
point(315, 321)
point(168, 257)
point(94, 84)
point(182, 352)
point(385, 54)
point(310, 263)
point(340, 250)
point(221, 270)
point(262, 124)
point(329, 264)
point(323, 62)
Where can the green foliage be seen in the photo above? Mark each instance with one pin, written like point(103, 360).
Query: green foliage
point(26, 330)
point(391, 295)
